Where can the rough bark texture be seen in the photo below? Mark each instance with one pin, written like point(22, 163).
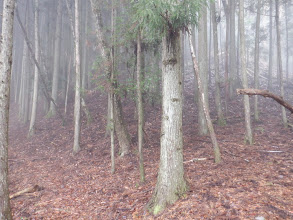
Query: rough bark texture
point(256, 60)
point(36, 76)
point(280, 68)
point(5, 76)
point(203, 68)
point(248, 133)
point(171, 184)
point(266, 93)
point(204, 101)
point(221, 120)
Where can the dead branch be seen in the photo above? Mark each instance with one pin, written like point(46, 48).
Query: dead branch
point(266, 93)
point(27, 190)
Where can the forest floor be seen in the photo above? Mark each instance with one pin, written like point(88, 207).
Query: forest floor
point(251, 181)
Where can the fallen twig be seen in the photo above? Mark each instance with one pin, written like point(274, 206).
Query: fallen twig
point(27, 190)
point(195, 159)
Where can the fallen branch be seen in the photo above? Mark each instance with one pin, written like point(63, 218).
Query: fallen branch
point(195, 159)
point(266, 93)
point(27, 190)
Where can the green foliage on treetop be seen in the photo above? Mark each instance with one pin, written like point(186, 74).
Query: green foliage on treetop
point(157, 16)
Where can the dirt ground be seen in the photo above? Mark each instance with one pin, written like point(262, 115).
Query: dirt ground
point(250, 182)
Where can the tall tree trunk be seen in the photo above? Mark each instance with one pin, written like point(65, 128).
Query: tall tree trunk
point(56, 69)
point(120, 127)
point(204, 103)
point(84, 47)
point(256, 61)
point(221, 120)
point(170, 182)
point(248, 133)
point(271, 48)
point(140, 111)
point(5, 76)
point(284, 118)
point(111, 94)
point(36, 76)
point(203, 69)
point(77, 102)
point(287, 7)
point(232, 49)
point(227, 81)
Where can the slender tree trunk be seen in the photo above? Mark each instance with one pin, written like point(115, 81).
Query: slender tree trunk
point(112, 93)
point(84, 48)
point(256, 61)
point(221, 120)
point(77, 102)
point(36, 76)
point(227, 81)
point(56, 69)
point(171, 184)
point(287, 41)
point(248, 133)
point(271, 47)
point(284, 117)
point(203, 71)
point(5, 76)
point(204, 103)
point(232, 49)
point(120, 127)
point(67, 85)
point(140, 111)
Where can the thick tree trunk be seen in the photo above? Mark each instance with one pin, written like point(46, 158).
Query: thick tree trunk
point(256, 61)
point(221, 120)
point(5, 76)
point(203, 69)
point(77, 101)
point(284, 117)
point(248, 133)
point(36, 76)
point(171, 184)
point(52, 110)
point(140, 111)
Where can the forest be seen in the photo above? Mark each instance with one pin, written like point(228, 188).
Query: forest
point(146, 109)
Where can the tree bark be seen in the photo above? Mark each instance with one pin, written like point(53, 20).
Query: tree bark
point(271, 47)
point(52, 110)
point(171, 184)
point(5, 76)
point(120, 127)
point(284, 117)
point(256, 61)
point(232, 49)
point(36, 75)
point(140, 111)
point(248, 132)
point(221, 120)
point(77, 102)
point(204, 102)
point(203, 71)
